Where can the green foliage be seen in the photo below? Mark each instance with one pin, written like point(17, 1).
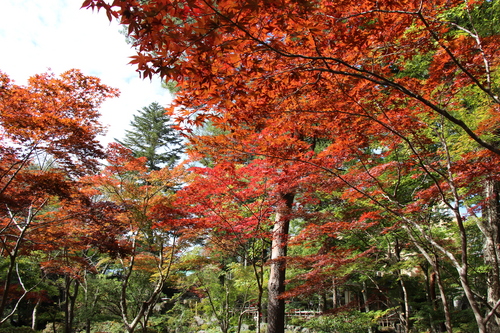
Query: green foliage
point(179, 318)
point(464, 322)
point(152, 136)
point(96, 298)
point(171, 86)
point(483, 18)
point(17, 330)
point(227, 290)
point(417, 67)
point(53, 327)
point(425, 317)
point(108, 327)
point(348, 322)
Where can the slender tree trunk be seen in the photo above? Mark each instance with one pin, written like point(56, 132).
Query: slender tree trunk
point(323, 302)
point(90, 301)
point(276, 285)
point(434, 279)
point(364, 293)
point(406, 304)
point(34, 314)
point(464, 281)
point(461, 267)
point(69, 303)
point(366, 304)
point(432, 290)
point(259, 277)
point(490, 229)
point(13, 253)
point(334, 294)
point(432, 299)
point(6, 286)
point(444, 300)
point(87, 325)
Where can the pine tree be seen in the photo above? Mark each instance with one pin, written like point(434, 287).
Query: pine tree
point(153, 136)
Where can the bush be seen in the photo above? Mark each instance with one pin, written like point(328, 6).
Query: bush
point(16, 330)
point(349, 322)
point(108, 327)
point(53, 327)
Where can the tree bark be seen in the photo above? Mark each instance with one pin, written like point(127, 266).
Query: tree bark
point(259, 278)
point(366, 303)
point(69, 303)
point(490, 229)
point(444, 300)
point(276, 285)
point(334, 294)
point(34, 314)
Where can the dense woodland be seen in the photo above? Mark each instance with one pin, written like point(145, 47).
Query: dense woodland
point(326, 166)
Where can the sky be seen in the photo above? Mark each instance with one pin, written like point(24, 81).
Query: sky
point(37, 36)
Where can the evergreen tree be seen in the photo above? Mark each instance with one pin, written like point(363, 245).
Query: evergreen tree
point(152, 136)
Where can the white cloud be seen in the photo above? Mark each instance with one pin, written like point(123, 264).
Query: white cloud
point(37, 35)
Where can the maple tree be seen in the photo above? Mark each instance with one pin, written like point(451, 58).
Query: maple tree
point(390, 103)
point(235, 204)
point(48, 131)
point(154, 230)
point(304, 45)
point(86, 231)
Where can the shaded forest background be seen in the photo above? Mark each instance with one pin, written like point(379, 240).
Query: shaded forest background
point(325, 167)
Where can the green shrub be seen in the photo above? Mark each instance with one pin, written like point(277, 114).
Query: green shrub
point(348, 322)
point(16, 330)
point(108, 327)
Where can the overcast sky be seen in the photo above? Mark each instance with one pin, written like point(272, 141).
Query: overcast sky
point(38, 35)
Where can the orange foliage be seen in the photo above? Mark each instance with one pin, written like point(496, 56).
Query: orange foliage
point(324, 92)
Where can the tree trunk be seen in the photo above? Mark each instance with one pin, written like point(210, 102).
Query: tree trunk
point(69, 303)
point(34, 314)
point(405, 318)
point(6, 287)
point(12, 254)
point(259, 278)
point(87, 325)
point(366, 303)
point(461, 267)
point(406, 305)
point(323, 303)
point(364, 293)
point(490, 229)
point(276, 285)
point(444, 300)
